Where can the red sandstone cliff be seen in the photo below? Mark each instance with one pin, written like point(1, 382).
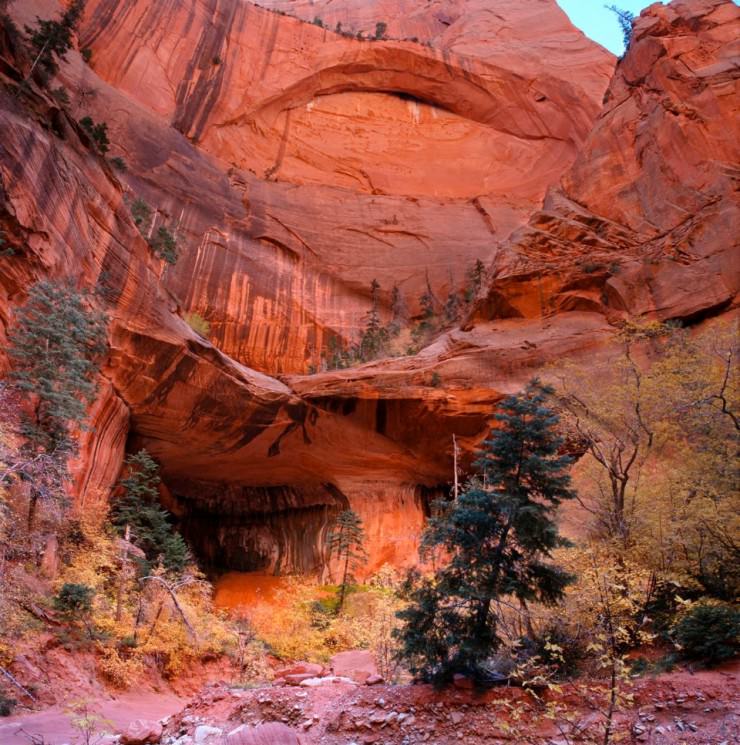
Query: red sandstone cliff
point(299, 165)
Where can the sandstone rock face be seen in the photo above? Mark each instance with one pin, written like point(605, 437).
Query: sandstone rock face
point(314, 149)
point(295, 166)
point(642, 223)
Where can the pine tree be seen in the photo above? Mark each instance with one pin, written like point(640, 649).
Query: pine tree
point(98, 133)
point(56, 346)
point(346, 541)
point(398, 312)
point(374, 337)
point(497, 537)
point(51, 38)
point(625, 18)
point(476, 275)
point(138, 508)
point(453, 307)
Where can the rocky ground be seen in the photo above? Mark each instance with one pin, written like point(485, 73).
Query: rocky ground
point(678, 707)
point(347, 703)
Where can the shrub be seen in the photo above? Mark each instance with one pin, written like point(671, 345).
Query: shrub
point(86, 54)
point(380, 29)
point(118, 163)
point(98, 133)
point(198, 324)
point(142, 214)
point(558, 645)
point(119, 669)
point(589, 267)
point(709, 633)
point(164, 245)
point(5, 250)
point(74, 600)
point(61, 96)
point(6, 705)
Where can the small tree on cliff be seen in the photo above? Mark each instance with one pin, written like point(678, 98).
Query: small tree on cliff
point(346, 541)
point(50, 38)
point(625, 18)
point(498, 536)
point(56, 345)
point(374, 337)
point(138, 507)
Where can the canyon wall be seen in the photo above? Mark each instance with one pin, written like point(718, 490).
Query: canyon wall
point(296, 165)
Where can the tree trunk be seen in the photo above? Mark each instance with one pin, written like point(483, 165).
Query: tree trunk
point(32, 506)
point(343, 587)
point(122, 575)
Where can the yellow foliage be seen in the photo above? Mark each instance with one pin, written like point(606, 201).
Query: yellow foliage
point(150, 626)
point(660, 424)
point(300, 623)
point(119, 670)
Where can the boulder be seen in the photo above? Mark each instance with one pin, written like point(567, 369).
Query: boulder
point(327, 680)
point(358, 665)
point(301, 668)
point(204, 734)
point(296, 680)
point(271, 733)
point(141, 732)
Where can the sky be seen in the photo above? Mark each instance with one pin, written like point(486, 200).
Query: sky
point(599, 23)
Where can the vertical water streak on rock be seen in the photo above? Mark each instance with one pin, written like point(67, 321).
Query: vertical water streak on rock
point(195, 100)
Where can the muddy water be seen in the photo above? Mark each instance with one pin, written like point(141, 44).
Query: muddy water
point(245, 589)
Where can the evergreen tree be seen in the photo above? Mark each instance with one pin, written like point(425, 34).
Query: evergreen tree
point(51, 38)
point(453, 307)
point(496, 538)
point(138, 507)
point(374, 337)
point(98, 133)
point(164, 245)
point(142, 214)
point(346, 540)
point(427, 325)
point(55, 346)
point(625, 18)
point(398, 312)
point(475, 281)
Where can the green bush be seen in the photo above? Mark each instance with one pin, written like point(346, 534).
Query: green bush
point(164, 245)
point(558, 645)
point(709, 633)
point(118, 163)
point(142, 214)
point(6, 705)
point(61, 95)
point(98, 133)
point(74, 600)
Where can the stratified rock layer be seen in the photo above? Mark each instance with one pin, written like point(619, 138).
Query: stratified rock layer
point(645, 221)
point(297, 165)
